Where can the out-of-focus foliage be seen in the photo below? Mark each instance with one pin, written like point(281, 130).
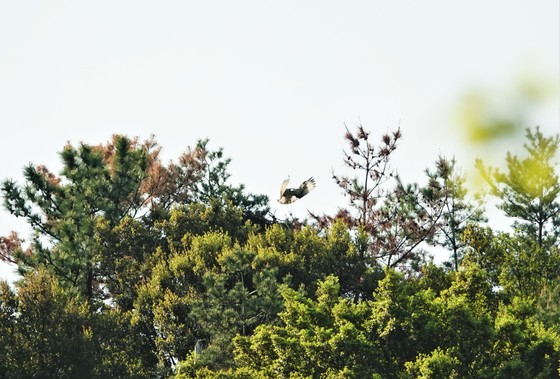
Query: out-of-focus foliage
point(486, 116)
point(140, 270)
point(530, 189)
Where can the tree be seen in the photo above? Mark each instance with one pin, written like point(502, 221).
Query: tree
point(208, 289)
point(373, 164)
point(458, 212)
point(8, 312)
point(212, 186)
point(52, 334)
point(438, 364)
point(101, 186)
point(95, 182)
point(529, 190)
point(140, 270)
point(125, 255)
point(524, 347)
point(512, 263)
point(323, 338)
point(392, 221)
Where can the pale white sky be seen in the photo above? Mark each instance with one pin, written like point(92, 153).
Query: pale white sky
point(271, 82)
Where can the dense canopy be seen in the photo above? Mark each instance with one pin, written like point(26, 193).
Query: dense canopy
point(137, 269)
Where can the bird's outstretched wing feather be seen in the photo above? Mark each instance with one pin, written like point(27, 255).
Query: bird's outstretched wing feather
point(305, 187)
point(283, 186)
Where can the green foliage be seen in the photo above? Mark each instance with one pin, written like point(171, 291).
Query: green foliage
point(46, 313)
point(458, 212)
point(514, 264)
point(139, 270)
point(125, 255)
point(105, 184)
point(322, 338)
point(63, 211)
point(212, 187)
point(530, 188)
point(437, 364)
point(527, 347)
point(8, 312)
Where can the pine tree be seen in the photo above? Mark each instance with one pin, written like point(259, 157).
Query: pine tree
point(530, 189)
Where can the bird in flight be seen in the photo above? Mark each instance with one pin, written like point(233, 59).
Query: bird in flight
point(289, 195)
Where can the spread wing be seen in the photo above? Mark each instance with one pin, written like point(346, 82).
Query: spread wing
point(305, 187)
point(283, 186)
point(289, 195)
point(286, 194)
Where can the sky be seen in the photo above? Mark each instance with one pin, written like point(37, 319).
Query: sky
point(272, 83)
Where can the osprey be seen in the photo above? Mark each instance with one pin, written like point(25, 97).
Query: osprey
point(289, 195)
